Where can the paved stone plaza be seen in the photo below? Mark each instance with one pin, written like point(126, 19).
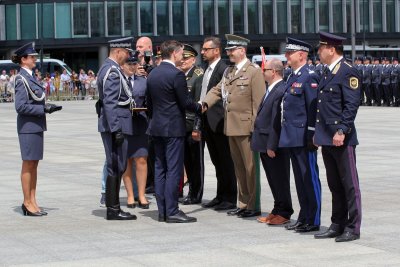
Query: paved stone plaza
point(75, 232)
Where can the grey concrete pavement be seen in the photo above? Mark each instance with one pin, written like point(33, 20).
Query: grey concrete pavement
point(75, 232)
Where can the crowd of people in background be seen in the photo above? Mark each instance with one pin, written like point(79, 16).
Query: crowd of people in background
point(58, 86)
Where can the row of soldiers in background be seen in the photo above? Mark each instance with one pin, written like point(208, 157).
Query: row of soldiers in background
point(380, 81)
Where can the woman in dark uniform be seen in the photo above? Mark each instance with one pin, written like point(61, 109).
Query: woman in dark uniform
point(31, 123)
point(138, 142)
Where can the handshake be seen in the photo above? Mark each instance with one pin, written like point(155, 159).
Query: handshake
point(50, 108)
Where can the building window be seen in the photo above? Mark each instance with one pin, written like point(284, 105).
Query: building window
point(80, 19)
point(130, 15)
point(390, 16)
point(146, 18)
point(48, 20)
point(238, 17)
point(114, 18)
point(323, 15)
point(348, 15)
point(97, 19)
point(377, 12)
point(281, 6)
point(267, 16)
point(63, 20)
point(223, 17)
point(193, 17)
point(364, 15)
point(252, 16)
point(208, 17)
point(309, 15)
point(11, 22)
point(28, 21)
point(337, 16)
point(178, 17)
point(296, 22)
point(162, 18)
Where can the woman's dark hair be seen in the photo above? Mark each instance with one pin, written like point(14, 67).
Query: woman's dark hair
point(16, 59)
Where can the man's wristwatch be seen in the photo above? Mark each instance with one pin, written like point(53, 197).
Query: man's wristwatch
point(340, 132)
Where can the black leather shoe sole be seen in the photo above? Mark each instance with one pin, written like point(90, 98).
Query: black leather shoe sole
point(346, 237)
point(249, 213)
point(307, 228)
point(179, 220)
point(121, 217)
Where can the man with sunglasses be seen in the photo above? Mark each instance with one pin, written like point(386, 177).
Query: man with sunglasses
point(298, 121)
point(241, 90)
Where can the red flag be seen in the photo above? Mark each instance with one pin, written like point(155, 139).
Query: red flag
point(263, 60)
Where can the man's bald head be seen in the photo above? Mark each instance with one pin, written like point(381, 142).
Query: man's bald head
point(144, 44)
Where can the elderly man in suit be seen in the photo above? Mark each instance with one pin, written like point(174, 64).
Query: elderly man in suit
point(299, 108)
point(241, 90)
point(167, 99)
point(265, 139)
point(213, 121)
point(115, 122)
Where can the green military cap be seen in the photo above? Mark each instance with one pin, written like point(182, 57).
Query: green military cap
point(234, 41)
point(189, 51)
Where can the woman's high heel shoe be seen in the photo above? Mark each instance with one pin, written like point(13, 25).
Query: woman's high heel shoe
point(44, 213)
point(143, 206)
point(131, 206)
point(26, 212)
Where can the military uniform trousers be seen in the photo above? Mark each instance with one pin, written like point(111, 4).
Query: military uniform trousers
point(395, 93)
point(169, 152)
point(366, 88)
point(277, 171)
point(387, 96)
point(246, 169)
point(308, 185)
point(377, 93)
point(194, 165)
point(218, 147)
point(342, 176)
point(116, 159)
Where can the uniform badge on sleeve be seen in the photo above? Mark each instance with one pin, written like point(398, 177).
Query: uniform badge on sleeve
point(353, 83)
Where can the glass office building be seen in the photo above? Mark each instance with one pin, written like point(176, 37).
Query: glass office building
point(78, 31)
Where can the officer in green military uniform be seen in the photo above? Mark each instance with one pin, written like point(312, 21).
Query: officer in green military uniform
point(194, 146)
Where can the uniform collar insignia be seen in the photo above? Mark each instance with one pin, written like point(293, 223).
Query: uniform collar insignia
point(336, 68)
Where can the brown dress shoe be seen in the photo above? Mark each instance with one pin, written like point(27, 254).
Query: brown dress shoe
point(265, 219)
point(278, 220)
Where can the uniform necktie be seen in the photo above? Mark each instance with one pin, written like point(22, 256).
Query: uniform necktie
point(204, 85)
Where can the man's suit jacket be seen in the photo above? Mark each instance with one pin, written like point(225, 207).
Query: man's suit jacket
point(215, 114)
point(167, 99)
point(31, 117)
point(338, 102)
point(245, 91)
point(299, 108)
point(113, 117)
point(267, 127)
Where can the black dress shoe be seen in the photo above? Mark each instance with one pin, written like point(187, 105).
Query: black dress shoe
point(118, 214)
point(26, 212)
point(293, 226)
point(249, 213)
point(328, 234)
point(161, 218)
point(224, 205)
point(346, 237)
point(150, 189)
point(144, 206)
point(235, 211)
point(180, 217)
point(212, 203)
point(305, 228)
point(131, 206)
point(190, 201)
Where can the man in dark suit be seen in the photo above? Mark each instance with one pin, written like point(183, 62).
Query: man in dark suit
point(115, 121)
point(298, 122)
point(338, 101)
point(265, 139)
point(213, 120)
point(167, 99)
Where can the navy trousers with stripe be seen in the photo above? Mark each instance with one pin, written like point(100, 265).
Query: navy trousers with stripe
point(342, 176)
point(308, 185)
